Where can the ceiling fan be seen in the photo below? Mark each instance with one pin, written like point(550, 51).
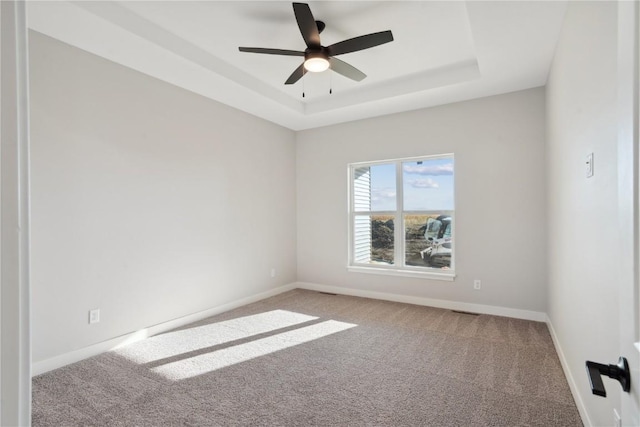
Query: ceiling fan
point(318, 58)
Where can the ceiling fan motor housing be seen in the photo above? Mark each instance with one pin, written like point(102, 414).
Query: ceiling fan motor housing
point(316, 59)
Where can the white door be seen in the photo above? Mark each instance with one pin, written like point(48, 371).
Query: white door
point(628, 185)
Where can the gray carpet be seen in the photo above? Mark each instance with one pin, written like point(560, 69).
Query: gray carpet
point(305, 358)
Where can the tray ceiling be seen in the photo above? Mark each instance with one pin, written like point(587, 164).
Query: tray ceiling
point(442, 52)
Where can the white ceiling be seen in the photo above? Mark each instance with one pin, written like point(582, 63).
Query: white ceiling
point(443, 51)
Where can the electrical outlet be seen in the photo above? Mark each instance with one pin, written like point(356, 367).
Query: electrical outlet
point(273, 272)
point(477, 284)
point(94, 316)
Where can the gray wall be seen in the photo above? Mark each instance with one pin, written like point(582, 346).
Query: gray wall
point(500, 197)
point(148, 202)
point(583, 241)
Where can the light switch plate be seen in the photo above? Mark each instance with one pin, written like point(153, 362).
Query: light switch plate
point(589, 165)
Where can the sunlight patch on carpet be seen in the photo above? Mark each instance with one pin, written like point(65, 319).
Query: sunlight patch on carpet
point(184, 341)
point(209, 362)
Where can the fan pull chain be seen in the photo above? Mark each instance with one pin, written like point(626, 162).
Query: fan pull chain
point(330, 82)
point(304, 74)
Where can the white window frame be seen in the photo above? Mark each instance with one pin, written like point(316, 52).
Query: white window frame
point(399, 268)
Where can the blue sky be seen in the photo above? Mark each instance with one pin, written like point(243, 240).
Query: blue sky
point(427, 186)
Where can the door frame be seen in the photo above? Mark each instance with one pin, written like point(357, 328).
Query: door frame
point(15, 339)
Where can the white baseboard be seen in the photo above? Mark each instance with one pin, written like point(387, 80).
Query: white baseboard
point(450, 305)
point(101, 347)
point(575, 391)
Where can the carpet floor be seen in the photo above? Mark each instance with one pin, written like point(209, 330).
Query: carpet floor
point(305, 358)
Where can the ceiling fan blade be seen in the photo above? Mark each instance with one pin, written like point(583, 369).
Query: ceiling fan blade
point(296, 75)
point(359, 43)
point(271, 51)
point(307, 24)
point(346, 70)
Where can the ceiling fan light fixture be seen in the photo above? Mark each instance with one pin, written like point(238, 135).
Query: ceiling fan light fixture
point(316, 63)
point(319, 58)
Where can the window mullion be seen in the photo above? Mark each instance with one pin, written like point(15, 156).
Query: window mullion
point(399, 223)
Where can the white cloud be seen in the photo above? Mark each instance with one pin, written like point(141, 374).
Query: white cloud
point(433, 170)
point(383, 194)
point(424, 183)
point(383, 199)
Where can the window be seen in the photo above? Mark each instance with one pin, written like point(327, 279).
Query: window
point(401, 217)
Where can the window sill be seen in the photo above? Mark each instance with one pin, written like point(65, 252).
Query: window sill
point(449, 276)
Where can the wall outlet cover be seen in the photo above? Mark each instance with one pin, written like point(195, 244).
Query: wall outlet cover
point(94, 316)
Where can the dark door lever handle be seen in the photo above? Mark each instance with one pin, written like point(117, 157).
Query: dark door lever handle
point(618, 372)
